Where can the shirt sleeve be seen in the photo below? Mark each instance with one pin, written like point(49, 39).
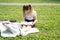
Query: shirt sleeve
point(34, 13)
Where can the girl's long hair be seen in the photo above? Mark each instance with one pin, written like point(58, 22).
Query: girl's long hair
point(27, 7)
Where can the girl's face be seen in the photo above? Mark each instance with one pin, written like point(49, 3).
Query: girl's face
point(27, 11)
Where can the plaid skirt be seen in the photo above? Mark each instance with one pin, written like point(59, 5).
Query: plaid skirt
point(30, 21)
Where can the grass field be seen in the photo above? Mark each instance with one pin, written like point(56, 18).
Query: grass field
point(48, 21)
point(32, 1)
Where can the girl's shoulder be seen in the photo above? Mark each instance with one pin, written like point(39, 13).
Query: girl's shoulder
point(34, 13)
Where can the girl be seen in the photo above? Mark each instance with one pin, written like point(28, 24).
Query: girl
point(29, 15)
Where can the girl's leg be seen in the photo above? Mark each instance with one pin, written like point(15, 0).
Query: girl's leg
point(26, 28)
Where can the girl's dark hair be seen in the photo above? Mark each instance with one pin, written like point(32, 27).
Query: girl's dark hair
point(26, 7)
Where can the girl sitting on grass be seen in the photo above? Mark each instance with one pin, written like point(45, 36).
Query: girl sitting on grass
point(29, 15)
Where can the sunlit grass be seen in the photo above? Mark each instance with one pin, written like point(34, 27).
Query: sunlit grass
point(32, 1)
point(48, 21)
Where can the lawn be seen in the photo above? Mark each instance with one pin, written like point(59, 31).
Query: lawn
point(32, 1)
point(48, 21)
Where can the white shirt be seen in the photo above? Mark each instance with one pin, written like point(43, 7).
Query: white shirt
point(29, 17)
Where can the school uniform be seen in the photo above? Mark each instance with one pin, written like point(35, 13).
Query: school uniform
point(29, 18)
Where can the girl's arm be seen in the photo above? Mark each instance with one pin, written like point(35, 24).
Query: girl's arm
point(35, 17)
point(23, 16)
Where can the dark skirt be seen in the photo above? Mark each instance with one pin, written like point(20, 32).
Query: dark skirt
point(30, 21)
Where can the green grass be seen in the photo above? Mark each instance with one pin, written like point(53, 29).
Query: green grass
point(31, 1)
point(48, 21)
